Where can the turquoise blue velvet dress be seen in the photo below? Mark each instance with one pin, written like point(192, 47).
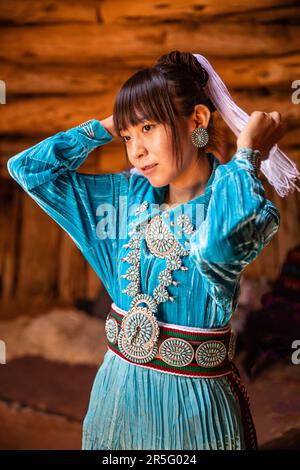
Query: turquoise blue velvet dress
point(132, 407)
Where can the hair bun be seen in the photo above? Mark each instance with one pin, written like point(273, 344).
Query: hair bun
point(185, 59)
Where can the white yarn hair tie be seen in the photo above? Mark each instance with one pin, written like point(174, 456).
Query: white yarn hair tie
point(279, 170)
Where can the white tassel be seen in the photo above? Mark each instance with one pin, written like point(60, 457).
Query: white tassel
point(279, 170)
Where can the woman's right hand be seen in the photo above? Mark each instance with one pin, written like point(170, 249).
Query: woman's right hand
point(108, 123)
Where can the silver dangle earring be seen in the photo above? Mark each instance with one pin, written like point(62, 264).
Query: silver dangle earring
point(200, 137)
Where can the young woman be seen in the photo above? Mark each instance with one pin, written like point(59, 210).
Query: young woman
point(170, 251)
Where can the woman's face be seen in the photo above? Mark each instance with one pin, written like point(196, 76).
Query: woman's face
point(149, 143)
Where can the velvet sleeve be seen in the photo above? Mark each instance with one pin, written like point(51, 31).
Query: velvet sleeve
point(240, 221)
point(47, 172)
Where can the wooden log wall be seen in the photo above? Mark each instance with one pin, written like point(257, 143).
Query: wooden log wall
point(63, 62)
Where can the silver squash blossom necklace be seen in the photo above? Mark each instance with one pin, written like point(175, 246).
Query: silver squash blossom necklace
point(139, 332)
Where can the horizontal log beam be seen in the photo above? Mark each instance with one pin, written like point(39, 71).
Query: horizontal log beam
point(86, 44)
point(124, 11)
point(33, 12)
point(243, 73)
point(129, 11)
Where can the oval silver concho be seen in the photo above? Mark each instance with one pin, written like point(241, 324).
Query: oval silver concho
point(139, 334)
point(111, 329)
point(176, 352)
point(210, 353)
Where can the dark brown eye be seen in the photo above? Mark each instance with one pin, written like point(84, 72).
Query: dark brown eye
point(148, 125)
point(125, 136)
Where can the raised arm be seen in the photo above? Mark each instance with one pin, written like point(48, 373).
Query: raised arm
point(240, 220)
point(62, 152)
point(239, 223)
point(47, 173)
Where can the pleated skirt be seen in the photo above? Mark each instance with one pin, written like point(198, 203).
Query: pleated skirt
point(135, 408)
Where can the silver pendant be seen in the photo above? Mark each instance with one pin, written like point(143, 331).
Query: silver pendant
point(160, 241)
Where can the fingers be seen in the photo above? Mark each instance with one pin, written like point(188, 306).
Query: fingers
point(281, 125)
point(276, 117)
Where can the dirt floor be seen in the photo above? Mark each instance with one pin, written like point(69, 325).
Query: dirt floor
point(50, 367)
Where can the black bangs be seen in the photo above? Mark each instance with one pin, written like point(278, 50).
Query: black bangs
point(144, 96)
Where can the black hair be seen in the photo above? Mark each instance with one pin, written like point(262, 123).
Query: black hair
point(162, 93)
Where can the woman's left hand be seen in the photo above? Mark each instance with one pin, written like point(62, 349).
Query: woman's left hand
point(262, 132)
